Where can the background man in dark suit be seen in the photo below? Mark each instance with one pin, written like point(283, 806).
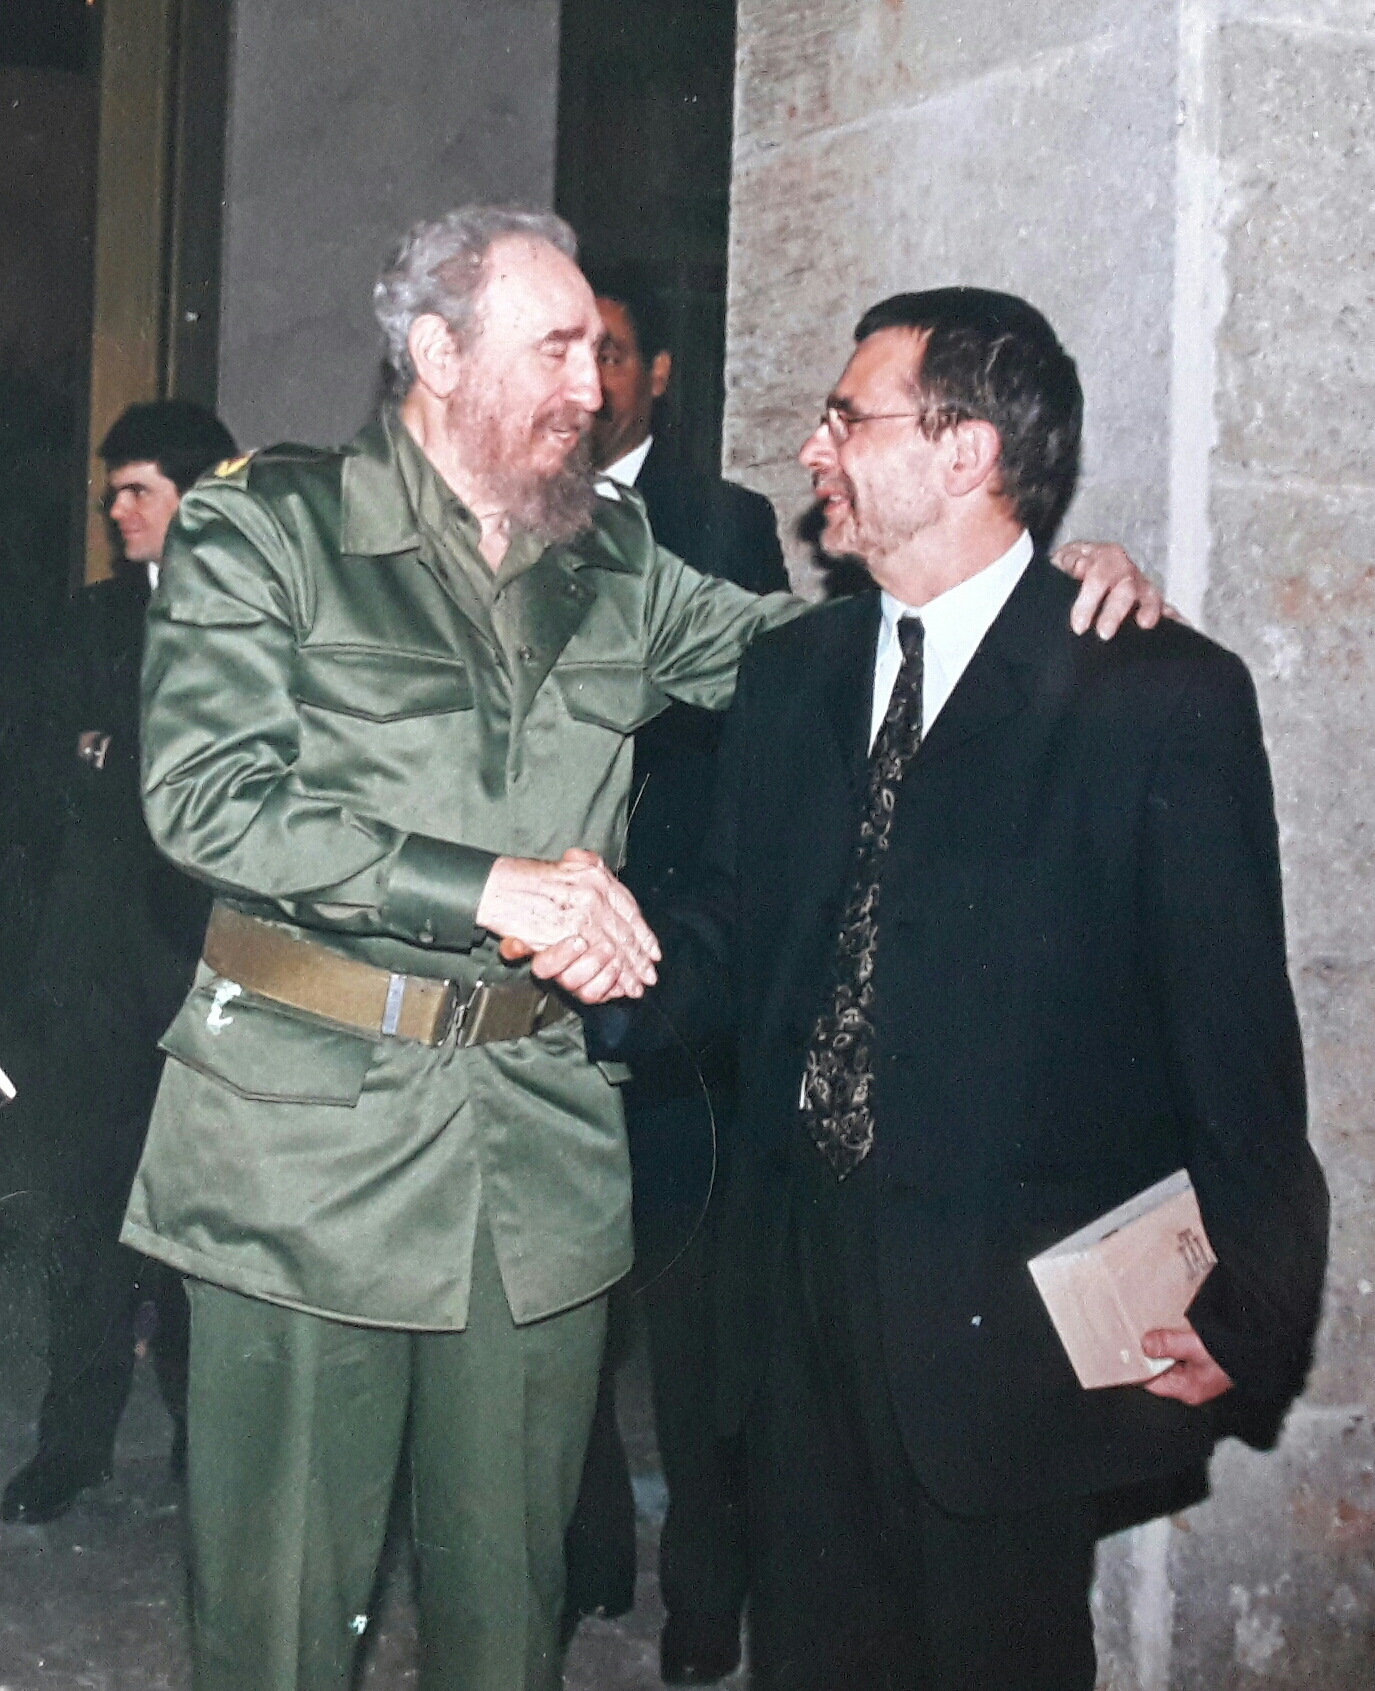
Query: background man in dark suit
point(116, 950)
point(723, 530)
point(1060, 975)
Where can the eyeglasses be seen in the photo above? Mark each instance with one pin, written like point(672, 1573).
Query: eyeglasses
point(840, 422)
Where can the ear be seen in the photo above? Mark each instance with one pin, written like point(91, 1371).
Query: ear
point(434, 353)
point(974, 448)
point(660, 369)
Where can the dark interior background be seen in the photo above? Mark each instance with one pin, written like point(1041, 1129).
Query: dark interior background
point(47, 144)
point(645, 98)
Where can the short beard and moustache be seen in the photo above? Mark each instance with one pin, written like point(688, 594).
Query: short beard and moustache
point(874, 535)
point(553, 507)
point(559, 507)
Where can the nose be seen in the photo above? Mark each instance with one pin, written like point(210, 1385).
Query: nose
point(818, 449)
point(122, 505)
point(584, 378)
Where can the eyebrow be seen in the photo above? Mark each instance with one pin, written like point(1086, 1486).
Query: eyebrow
point(564, 337)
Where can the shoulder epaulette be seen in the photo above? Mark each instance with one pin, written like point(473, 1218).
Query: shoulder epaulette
point(243, 469)
point(227, 468)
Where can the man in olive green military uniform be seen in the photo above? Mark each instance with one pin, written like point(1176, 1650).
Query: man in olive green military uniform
point(390, 694)
point(389, 700)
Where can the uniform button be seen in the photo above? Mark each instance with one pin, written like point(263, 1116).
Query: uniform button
point(525, 653)
point(426, 934)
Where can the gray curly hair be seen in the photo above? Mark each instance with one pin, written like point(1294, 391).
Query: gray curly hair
point(438, 266)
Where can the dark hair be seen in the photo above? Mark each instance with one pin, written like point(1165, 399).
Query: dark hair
point(182, 438)
point(629, 285)
point(993, 357)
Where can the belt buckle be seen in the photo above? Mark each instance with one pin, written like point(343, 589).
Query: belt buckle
point(494, 1013)
point(453, 1013)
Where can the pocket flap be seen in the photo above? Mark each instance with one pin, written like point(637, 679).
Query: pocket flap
point(380, 686)
point(261, 1051)
point(612, 695)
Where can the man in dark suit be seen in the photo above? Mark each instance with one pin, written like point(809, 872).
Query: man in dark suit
point(674, 1101)
point(116, 949)
point(999, 907)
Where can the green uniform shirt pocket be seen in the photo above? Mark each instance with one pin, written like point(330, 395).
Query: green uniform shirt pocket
point(260, 1051)
point(612, 695)
point(380, 686)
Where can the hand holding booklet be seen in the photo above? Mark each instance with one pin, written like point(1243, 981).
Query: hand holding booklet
point(1134, 1269)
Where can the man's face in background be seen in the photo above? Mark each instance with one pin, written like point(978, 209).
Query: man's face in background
point(629, 386)
point(141, 502)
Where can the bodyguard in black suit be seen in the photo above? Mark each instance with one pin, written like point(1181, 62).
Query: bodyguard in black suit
point(116, 949)
point(724, 530)
point(1060, 975)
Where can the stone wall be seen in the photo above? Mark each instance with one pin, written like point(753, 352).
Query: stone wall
point(349, 121)
point(1185, 186)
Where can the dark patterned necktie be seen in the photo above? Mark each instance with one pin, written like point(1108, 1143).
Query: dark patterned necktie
point(837, 1105)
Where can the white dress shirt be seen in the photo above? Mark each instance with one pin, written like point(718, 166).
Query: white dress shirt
point(626, 470)
point(954, 623)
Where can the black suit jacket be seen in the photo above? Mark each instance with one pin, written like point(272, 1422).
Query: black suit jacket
point(1080, 987)
point(148, 911)
point(723, 530)
point(679, 1146)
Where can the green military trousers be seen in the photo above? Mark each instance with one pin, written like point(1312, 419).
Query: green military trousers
point(296, 1425)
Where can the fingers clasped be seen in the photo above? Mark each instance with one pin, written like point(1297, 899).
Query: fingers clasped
point(580, 927)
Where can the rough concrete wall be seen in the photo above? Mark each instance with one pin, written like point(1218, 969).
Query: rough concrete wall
point(880, 145)
point(348, 121)
point(1287, 96)
point(1185, 186)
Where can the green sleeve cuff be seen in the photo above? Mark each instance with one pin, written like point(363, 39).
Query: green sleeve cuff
point(434, 890)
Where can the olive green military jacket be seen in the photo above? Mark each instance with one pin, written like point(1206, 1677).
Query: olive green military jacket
point(334, 741)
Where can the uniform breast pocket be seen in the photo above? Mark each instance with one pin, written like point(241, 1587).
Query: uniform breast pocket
point(610, 695)
point(380, 686)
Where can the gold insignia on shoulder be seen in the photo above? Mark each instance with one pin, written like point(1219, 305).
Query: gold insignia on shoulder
point(231, 466)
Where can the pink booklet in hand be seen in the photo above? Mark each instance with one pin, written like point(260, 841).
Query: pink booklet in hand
point(1133, 1269)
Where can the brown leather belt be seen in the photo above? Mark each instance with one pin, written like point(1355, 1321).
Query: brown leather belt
point(266, 960)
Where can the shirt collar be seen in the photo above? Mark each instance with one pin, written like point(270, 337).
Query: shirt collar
point(376, 517)
point(626, 469)
point(954, 622)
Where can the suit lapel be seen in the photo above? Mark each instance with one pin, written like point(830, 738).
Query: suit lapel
point(1007, 669)
point(849, 681)
point(653, 486)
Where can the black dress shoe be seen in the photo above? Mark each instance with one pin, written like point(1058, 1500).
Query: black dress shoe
point(699, 1649)
point(48, 1487)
